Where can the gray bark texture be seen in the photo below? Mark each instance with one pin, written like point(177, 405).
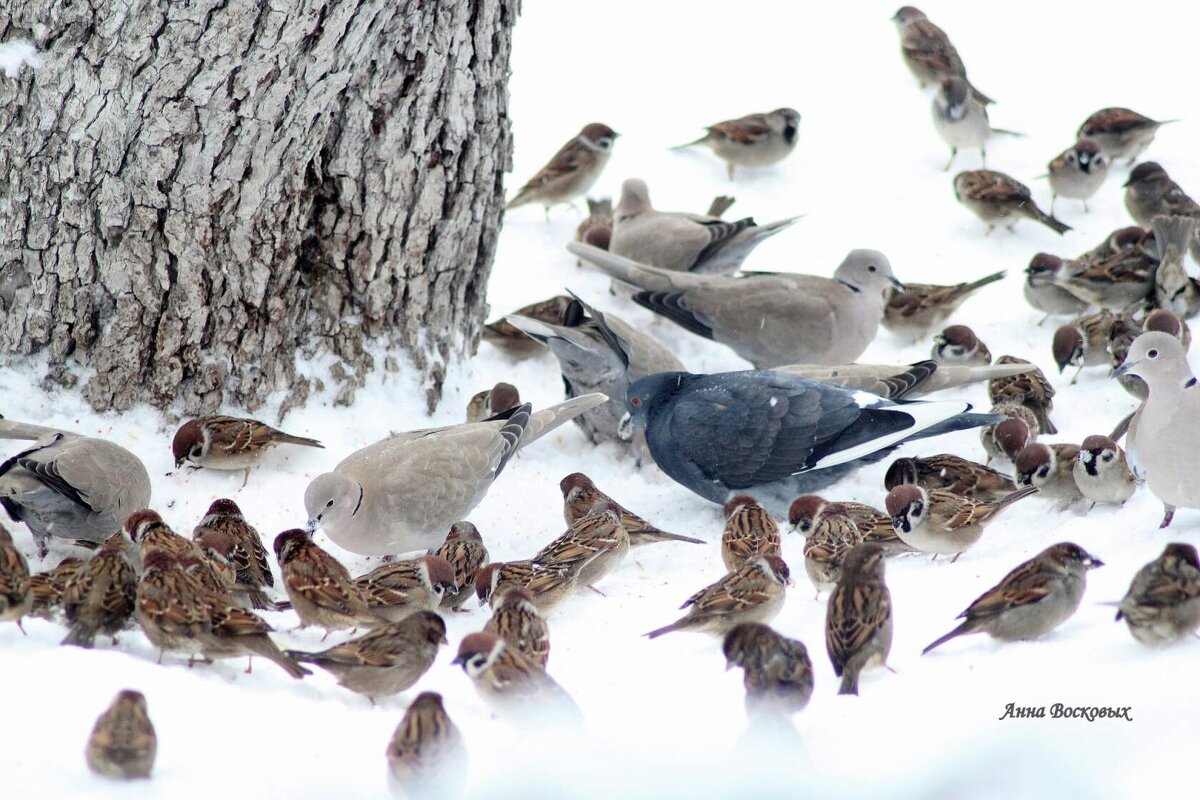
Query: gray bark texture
point(194, 192)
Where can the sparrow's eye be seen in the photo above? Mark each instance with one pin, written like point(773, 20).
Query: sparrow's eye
point(1108, 457)
point(1152, 354)
point(479, 661)
point(1071, 157)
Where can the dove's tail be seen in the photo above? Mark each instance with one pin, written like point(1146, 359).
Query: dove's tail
point(643, 276)
point(547, 419)
point(11, 429)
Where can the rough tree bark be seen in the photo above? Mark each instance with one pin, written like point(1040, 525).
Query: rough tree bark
point(194, 191)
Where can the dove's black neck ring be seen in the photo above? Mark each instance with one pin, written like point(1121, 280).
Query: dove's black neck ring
point(1190, 383)
point(358, 505)
point(850, 286)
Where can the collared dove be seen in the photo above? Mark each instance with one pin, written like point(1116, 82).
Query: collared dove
point(404, 492)
point(679, 241)
point(772, 435)
point(70, 486)
point(767, 318)
point(1164, 437)
point(600, 353)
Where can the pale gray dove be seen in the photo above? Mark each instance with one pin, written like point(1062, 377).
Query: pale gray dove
point(403, 493)
point(769, 319)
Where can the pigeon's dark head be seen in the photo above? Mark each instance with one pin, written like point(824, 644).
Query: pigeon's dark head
point(651, 392)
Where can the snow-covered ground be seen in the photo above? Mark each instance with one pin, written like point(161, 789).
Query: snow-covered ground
point(663, 718)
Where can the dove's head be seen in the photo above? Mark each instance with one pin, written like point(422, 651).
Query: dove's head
point(1157, 358)
point(868, 272)
point(332, 500)
point(635, 199)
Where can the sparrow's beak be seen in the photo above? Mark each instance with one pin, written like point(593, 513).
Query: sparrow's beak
point(1093, 562)
point(896, 282)
point(1123, 369)
point(459, 661)
point(179, 463)
point(444, 640)
point(1126, 183)
point(312, 525)
point(728, 665)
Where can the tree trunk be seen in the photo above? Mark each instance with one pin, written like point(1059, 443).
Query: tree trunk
point(195, 193)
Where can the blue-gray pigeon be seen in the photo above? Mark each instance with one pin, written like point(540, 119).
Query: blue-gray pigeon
point(774, 435)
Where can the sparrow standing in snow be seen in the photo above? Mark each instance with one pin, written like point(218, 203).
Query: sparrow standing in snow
point(572, 171)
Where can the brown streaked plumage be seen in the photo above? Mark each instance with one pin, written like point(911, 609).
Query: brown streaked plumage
point(123, 743)
point(100, 595)
point(244, 549)
point(399, 588)
point(228, 443)
point(16, 592)
point(752, 593)
point(319, 586)
point(581, 497)
point(518, 621)
point(572, 171)
point(952, 473)
point(921, 307)
point(750, 531)
point(776, 671)
point(426, 755)
point(1162, 605)
point(858, 618)
point(465, 552)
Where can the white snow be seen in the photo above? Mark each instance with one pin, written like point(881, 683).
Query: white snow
point(15, 54)
point(663, 718)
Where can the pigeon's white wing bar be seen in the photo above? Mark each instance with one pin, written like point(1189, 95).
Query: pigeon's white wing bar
point(924, 416)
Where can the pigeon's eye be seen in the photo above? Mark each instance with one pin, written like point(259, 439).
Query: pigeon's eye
point(636, 402)
point(1152, 354)
point(871, 268)
point(329, 504)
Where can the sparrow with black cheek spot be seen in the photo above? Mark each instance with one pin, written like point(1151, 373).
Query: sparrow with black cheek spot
point(147, 530)
point(572, 171)
point(998, 199)
point(123, 743)
point(1150, 192)
point(170, 605)
point(752, 593)
point(858, 619)
point(1120, 132)
point(777, 672)
point(755, 140)
point(386, 661)
point(806, 511)
point(548, 586)
point(426, 755)
point(1032, 600)
point(958, 344)
point(465, 552)
point(1102, 471)
point(941, 522)
point(47, 588)
point(1050, 469)
point(516, 620)
point(510, 681)
point(750, 531)
point(1041, 292)
point(1083, 342)
point(961, 118)
point(1077, 173)
point(1162, 605)
point(228, 443)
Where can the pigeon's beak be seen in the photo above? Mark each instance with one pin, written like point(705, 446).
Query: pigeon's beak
point(312, 525)
point(625, 427)
point(896, 282)
point(1124, 368)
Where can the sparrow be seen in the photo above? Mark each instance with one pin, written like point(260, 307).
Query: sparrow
point(47, 588)
point(833, 537)
point(1032, 600)
point(426, 755)
point(99, 596)
point(1030, 389)
point(147, 530)
point(508, 680)
point(1167, 321)
point(1162, 605)
point(927, 50)
point(465, 552)
point(777, 672)
point(920, 307)
point(1077, 173)
point(233, 631)
point(752, 593)
point(1149, 192)
point(1041, 292)
point(755, 140)
point(941, 522)
point(960, 117)
point(1006, 438)
point(228, 443)
point(399, 588)
point(320, 588)
point(858, 619)
point(572, 171)
point(958, 344)
point(749, 531)
point(548, 586)
point(386, 661)
point(123, 743)
point(1121, 133)
point(806, 511)
point(516, 620)
point(596, 228)
point(952, 473)
point(581, 497)
point(998, 199)
point(1051, 469)
point(1120, 339)
point(1083, 342)
point(171, 607)
point(1118, 278)
point(490, 402)
point(1102, 471)
point(508, 337)
point(243, 549)
point(1174, 289)
point(590, 549)
point(16, 592)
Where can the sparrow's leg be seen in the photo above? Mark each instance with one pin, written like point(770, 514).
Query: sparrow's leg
point(245, 477)
point(983, 157)
point(953, 153)
point(1085, 209)
point(1053, 200)
point(729, 169)
point(21, 628)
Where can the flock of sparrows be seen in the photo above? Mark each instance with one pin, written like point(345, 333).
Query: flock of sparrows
point(761, 443)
